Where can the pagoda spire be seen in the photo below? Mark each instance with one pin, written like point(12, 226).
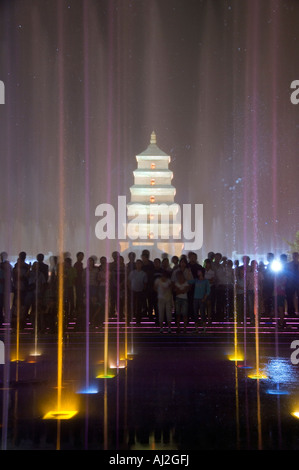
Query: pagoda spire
point(153, 138)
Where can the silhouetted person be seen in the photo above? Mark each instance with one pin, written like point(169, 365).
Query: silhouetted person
point(117, 282)
point(35, 295)
point(6, 285)
point(175, 262)
point(103, 278)
point(210, 276)
point(42, 267)
point(79, 287)
point(113, 270)
point(201, 293)
point(219, 286)
point(91, 284)
point(138, 283)
point(163, 287)
point(292, 284)
point(130, 266)
point(181, 288)
point(69, 276)
point(268, 288)
point(20, 285)
point(148, 268)
point(157, 273)
point(194, 266)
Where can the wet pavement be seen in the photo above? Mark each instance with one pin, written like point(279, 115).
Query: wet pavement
point(174, 392)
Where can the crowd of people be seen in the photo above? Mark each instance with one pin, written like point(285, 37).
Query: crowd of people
point(164, 291)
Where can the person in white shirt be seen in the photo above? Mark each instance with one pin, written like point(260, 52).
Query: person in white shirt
point(163, 286)
point(181, 288)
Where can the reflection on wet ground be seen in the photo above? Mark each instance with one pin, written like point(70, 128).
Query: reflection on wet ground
point(177, 392)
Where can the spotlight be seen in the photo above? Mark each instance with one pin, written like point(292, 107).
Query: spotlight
point(276, 266)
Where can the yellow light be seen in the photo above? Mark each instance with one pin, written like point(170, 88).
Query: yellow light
point(152, 199)
point(105, 376)
point(17, 359)
point(35, 354)
point(153, 182)
point(258, 376)
point(63, 414)
point(153, 166)
point(236, 358)
point(296, 414)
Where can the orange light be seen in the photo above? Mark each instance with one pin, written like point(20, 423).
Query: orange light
point(153, 166)
point(153, 182)
point(152, 199)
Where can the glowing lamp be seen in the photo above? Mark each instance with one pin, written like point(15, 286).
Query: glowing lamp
point(121, 365)
point(153, 166)
point(276, 266)
point(258, 376)
point(152, 199)
point(105, 376)
point(236, 358)
point(35, 354)
point(296, 414)
point(153, 182)
point(64, 414)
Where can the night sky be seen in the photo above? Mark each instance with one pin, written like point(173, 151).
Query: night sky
point(86, 82)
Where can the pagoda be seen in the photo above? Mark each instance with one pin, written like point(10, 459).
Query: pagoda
point(153, 217)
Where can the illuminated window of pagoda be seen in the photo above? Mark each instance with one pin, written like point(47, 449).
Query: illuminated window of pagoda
point(151, 235)
point(152, 199)
point(153, 182)
point(153, 166)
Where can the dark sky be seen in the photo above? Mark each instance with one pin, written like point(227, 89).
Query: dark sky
point(86, 82)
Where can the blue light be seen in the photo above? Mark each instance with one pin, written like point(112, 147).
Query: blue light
point(92, 390)
point(277, 392)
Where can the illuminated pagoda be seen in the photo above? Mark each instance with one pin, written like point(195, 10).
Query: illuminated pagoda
point(153, 218)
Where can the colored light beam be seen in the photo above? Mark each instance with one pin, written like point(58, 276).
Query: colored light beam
point(87, 184)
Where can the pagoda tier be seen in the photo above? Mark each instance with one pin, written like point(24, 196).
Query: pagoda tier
point(152, 195)
point(152, 179)
point(153, 218)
